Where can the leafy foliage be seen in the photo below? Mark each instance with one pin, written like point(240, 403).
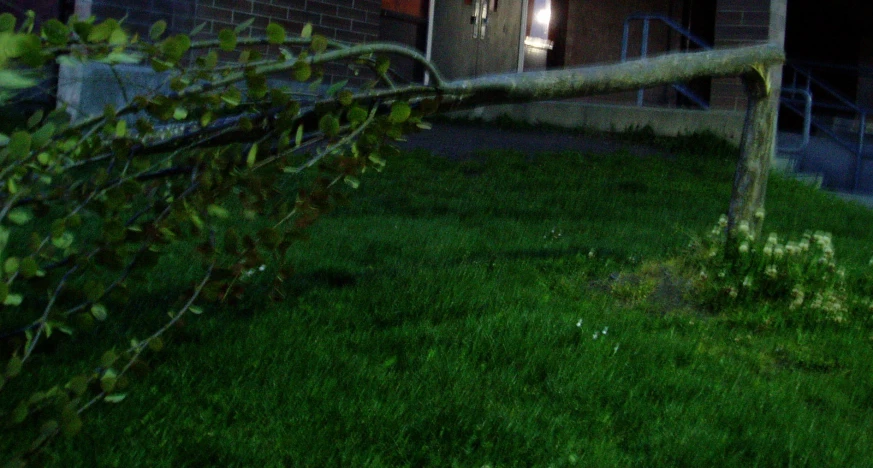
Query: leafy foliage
point(87, 207)
point(797, 280)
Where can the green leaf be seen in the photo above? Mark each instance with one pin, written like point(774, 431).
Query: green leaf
point(210, 60)
point(275, 33)
point(115, 398)
point(307, 31)
point(19, 144)
point(345, 98)
point(180, 113)
point(175, 47)
point(121, 128)
point(329, 125)
point(356, 115)
point(28, 267)
point(13, 300)
point(78, 385)
point(298, 139)
point(157, 30)
point(35, 119)
point(376, 160)
point(118, 37)
point(319, 44)
point(72, 424)
point(63, 241)
point(196, 310)
point(352, 182)
point(232, 97)
point(11, 265)
point(20, 216)
point(55, 32)
point(226, 40)
point(156, 344)
point(108, 380)
point(102, 31)
point(160, 65)
point(49, 428)
point(302, 71)
point(197, 29)
point(382, 65)
point(4, 238)
point(244, 25)
point(99, 312)
point(334, 88)
point(4, 139)
point(121, 57)
point(13, 367)
point(19, 414)
point(108, 359)
point(400, 112)
point(217, 211)
point(253, 154)
point(12, 79)
point(43, 136)
point(7, 22)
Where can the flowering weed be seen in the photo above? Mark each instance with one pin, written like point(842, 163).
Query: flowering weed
point(798, 277)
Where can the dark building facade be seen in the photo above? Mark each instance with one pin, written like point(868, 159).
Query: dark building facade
point(473, 37)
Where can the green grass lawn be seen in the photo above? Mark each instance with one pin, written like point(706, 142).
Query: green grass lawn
point(459, 314)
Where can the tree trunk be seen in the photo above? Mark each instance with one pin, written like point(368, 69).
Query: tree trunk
point(756, 152)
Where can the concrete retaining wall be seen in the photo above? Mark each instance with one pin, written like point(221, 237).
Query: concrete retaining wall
point(603, 117)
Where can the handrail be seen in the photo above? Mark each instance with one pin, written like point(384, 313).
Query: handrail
point(807, 117)
point(646, 18)
point(830, 90)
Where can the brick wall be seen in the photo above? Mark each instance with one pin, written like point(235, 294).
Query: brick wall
point(141, 14)
point(594, 34)
point(744, 22)
point(352, 21)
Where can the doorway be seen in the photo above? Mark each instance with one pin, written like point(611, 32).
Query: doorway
point(476, 37)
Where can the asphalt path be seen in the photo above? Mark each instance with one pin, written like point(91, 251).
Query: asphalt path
point(458, 141)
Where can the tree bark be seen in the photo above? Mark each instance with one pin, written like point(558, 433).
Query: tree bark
point(756, 152)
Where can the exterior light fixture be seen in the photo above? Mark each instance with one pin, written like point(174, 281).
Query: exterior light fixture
point(543, 16)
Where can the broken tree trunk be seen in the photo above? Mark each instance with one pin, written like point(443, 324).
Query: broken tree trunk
point(752, 63)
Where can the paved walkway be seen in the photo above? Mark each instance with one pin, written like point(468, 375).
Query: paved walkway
point(460, 141)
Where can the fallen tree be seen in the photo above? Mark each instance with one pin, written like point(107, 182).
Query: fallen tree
point(85, 206)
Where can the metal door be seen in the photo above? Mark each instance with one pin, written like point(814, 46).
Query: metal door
point(476, 37)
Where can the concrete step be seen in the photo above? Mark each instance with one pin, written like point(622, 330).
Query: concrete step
point(827, 159)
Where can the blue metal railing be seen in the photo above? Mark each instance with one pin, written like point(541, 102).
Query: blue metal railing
point(802, 84)
point(647, 19)
point(828, 98)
